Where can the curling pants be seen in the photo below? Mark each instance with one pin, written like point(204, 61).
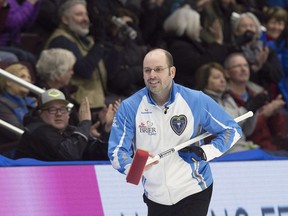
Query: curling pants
point(193, 205)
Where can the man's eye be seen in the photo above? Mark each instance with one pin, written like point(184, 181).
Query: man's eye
point(157, 69)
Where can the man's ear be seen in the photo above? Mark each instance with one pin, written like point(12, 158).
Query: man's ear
point(172, 72)
point(65, 20)
point(226, 74)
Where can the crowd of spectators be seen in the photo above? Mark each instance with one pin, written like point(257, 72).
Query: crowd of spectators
point(94, 50)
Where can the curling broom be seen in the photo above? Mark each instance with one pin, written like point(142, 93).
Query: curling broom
point(140, 159)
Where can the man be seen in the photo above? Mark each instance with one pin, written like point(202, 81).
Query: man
point(89, 70)
point(163, 115)
point(49, 137)
point(271, 121)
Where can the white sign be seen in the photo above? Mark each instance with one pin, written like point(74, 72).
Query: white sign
point(246, 188)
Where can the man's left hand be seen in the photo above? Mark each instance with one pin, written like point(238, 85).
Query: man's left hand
point(192, 154)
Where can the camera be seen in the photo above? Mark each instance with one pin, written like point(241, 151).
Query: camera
point(126, 29)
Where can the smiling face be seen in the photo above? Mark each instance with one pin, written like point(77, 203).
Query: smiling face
point(77, 20)
point(275, 28)
point(158, 75)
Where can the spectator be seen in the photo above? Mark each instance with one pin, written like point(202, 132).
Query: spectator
point(5, 56)
point(100, 12)
point(151, 26)
point(263, 62)
point(46, 22)
point(276, 37)
point(19, 18)
point(210, 78)
point(49, 137)
point(271, 126)
point(184, 42)
point(124, 65)
point(54, 70)
point(14, 102)
point(90, 76)
point(219, 11)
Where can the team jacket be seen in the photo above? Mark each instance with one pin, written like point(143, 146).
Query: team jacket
point(140, 123)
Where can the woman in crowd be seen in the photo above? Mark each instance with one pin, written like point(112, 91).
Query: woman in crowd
point(263, 62)
point(275, 37)
point(14, 102)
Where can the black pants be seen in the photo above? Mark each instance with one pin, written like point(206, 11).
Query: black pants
point(194, 205)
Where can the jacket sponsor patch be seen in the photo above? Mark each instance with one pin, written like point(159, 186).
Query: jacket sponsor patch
point(147, 128)
point(178, 124)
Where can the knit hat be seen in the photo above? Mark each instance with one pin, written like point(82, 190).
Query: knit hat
point(52, 95)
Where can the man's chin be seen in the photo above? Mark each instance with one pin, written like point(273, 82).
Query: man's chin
point(83, 33)
point(60, 126)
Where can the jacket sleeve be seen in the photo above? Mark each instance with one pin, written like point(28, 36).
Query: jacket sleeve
point(22, 16)
point(120, 146)
point(216, 121)
point(85, 65)
point(6, 114)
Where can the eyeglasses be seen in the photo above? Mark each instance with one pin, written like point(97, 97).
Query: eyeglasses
point(62, 110)
point(239, 66)
point(156, 69)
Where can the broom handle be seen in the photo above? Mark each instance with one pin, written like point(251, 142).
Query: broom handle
point(193, 140)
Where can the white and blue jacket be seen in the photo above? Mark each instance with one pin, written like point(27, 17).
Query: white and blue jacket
point(140, 123)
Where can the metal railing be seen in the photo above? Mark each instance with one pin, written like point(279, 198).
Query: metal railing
point(33, 88)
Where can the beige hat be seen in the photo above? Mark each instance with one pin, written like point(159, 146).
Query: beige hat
point(52, 95)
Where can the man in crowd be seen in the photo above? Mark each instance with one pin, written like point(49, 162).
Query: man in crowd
point(49, 137)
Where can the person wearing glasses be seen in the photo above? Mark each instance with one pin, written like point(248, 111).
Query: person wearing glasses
point(48, 135)
point(271, 127)
point(163, 115)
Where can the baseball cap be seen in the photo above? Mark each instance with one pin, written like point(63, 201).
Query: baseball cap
point(52, 95)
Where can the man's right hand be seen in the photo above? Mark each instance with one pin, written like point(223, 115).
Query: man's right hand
point(147, 167)
point(84, 110)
